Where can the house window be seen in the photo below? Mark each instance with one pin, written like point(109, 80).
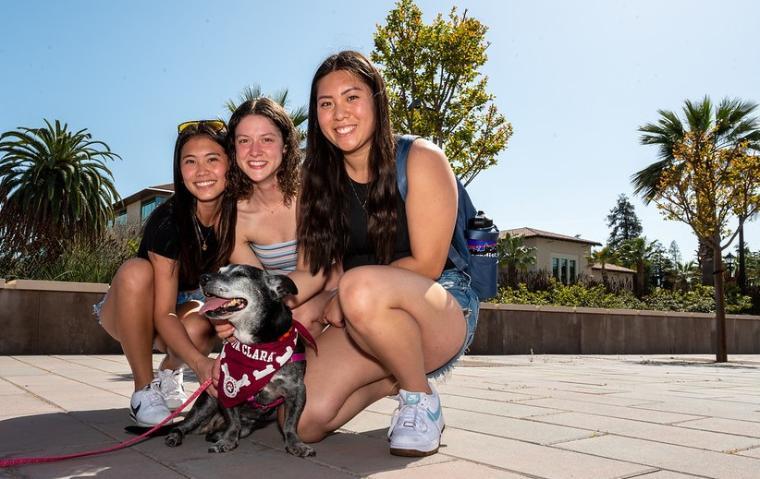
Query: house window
point(564, 269)
point(119, 219)
point(148, 206)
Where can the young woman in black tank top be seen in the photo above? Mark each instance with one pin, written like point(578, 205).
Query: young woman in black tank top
point(391, 321)
point(154, 298)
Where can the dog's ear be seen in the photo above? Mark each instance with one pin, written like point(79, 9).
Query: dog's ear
point(280, 285)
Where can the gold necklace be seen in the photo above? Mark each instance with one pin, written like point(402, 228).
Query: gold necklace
point(363, 204)
point(202, 238)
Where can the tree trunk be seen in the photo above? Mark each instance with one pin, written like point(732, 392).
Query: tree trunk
point(640, 280)
point(704, 254)
point(512, 276)
point(741, 276)
point(721, 354)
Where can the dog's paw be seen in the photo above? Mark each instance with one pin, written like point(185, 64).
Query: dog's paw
point(173, 439)
point(214, 436)
point(222, 446)
point(300, 449)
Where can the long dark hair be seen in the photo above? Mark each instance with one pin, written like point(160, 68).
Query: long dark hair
point(182, 207)
point(287, 174)
point(323, 224)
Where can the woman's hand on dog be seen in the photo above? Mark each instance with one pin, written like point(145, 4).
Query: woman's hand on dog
point(224, 329)
point(204, 370)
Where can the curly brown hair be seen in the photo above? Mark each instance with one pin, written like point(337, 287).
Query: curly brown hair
point(288, 174)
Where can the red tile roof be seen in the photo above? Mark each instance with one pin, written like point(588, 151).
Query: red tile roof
point(526, 232)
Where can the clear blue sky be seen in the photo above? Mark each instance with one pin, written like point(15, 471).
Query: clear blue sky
point(575, 78)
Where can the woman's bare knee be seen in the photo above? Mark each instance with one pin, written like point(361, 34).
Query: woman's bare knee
point(134, 277)
point(311, 429)
point(315, 420)
point(359, 295)
point(132, 284)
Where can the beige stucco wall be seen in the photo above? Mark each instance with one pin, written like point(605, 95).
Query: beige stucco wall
point(133, 213)
point(614, 277)
point(547, 248)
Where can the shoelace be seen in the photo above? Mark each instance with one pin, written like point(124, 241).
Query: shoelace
point(154, 397)
point(408, 416)
point(167, 384)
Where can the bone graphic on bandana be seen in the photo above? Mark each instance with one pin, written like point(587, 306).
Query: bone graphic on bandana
point(231, 385)
point(258, 374)
point(285, 357)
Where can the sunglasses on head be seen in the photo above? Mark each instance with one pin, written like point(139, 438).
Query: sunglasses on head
point(215, 125)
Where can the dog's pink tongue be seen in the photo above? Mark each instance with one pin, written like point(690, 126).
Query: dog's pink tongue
point(213, 303)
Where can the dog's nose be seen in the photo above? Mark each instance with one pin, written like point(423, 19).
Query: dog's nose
point(204, 279)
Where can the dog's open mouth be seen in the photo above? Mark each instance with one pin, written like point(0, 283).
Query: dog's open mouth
point(219, 308)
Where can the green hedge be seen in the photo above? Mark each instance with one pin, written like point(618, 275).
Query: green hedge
point(699, 300)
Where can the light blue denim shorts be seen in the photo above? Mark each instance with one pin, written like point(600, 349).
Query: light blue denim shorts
point(458, 285)
point(182, 298)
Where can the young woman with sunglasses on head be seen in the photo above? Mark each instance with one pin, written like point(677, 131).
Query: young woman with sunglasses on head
point(154, 298)
point(402, 312)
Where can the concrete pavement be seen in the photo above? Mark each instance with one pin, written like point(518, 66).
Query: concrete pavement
point(600, 417)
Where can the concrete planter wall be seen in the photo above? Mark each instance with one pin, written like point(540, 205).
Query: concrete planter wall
point(518, 329)
point(48, 317)
point(52, 317)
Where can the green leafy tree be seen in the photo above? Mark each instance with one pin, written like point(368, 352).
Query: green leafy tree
point(515, 256)
point(623, 221)
point(660, 265)
point(636, 253)
point(730, 124)
point(713, 176)
point(54, 183)
point(435, 86)
point(297, 115)
point(675, 252)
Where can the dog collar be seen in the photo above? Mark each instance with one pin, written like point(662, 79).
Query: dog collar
point(247, 368)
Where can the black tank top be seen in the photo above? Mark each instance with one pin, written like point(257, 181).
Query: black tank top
point(358, 251)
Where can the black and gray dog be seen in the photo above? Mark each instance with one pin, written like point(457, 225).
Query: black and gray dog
point(251, 300)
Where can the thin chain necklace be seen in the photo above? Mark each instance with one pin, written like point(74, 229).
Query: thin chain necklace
point(202, 238)
point(363, 204)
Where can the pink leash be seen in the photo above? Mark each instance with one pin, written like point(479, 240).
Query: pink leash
point(20, 461)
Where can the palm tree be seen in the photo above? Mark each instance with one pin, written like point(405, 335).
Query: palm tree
point(603, 256)
point(635, 253)
point(515, 256)
point(732, 125)
point(298, 115)
point(684, 274)
point(54, 185)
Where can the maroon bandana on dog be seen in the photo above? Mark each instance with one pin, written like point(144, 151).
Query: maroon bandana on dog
point(247, 368)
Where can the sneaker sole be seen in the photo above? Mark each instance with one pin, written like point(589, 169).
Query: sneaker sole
point(396, 451)
point(413, 452)
point(142, 424)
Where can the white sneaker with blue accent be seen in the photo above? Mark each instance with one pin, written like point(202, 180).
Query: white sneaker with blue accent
point(147, 407)
point(171, 388)
point(416, 425)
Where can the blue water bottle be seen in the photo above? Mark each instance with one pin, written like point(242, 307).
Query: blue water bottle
point(482, 235)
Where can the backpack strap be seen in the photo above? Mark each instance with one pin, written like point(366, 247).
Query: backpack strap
point(403, 146)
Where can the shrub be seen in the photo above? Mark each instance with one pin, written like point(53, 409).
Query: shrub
point(700, 299)
point(94, 261)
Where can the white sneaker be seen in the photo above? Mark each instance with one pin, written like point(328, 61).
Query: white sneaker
point(416, 425)
point(171, 388)
point(147, 407)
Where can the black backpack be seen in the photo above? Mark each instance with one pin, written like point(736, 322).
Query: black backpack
point(482, 269)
